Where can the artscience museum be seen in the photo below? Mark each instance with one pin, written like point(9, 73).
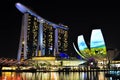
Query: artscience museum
point(97, 46)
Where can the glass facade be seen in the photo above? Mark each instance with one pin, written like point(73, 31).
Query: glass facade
point(48, 39)
point(32, 35)
point(62, 40)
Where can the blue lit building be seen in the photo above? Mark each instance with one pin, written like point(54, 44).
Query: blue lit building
point(40, 37)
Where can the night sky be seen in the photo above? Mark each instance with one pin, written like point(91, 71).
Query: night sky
point(80, 20)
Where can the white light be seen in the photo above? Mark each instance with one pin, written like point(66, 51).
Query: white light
point(23, 42)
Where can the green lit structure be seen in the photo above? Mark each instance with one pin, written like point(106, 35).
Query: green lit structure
point(97, 46)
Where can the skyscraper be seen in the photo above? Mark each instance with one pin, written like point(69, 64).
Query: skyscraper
point(40, 37)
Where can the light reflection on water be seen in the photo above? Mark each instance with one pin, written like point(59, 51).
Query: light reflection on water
point(53, 76)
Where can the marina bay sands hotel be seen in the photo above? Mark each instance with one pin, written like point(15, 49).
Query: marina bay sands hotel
point(40, 37)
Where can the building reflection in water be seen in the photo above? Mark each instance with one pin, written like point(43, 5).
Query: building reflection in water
point(53, 76)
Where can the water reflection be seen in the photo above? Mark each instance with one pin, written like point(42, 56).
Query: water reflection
point(53, 76)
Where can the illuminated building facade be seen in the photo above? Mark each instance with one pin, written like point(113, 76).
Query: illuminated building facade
point(62, 40)
point(40, 37)
point(97, 46)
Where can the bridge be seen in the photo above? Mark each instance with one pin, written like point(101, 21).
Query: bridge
point(11, 62)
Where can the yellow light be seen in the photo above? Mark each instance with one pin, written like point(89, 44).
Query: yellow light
point(43, 58)
point(23, 42)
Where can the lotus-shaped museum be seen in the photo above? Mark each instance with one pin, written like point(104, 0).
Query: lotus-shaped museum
point(97, 45)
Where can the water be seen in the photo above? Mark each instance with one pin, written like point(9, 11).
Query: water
point(53, 76)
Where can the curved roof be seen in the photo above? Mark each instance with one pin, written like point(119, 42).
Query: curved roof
point(22, 8)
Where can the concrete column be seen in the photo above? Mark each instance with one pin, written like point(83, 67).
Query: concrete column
point(23, 37)
point(56, 42)
point(25, 34)
point(40, 41)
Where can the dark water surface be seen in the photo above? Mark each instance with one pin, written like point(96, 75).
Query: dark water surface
point(53, 76)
